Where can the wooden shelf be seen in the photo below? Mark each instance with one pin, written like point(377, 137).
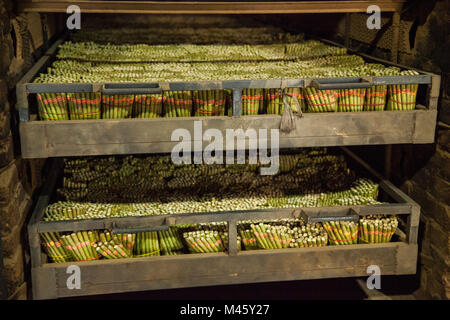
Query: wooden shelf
point(43, 139)
point(233, 267)
point(194, 270)
point(193, 7)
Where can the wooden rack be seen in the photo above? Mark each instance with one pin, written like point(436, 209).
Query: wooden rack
point(42, 139)
point(191, 270)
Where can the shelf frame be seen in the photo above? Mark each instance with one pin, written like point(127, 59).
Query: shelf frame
point(210, 7)
point(191, 270)
point(96, 137)
point(278, 265)
point(220, 7)
point(197, 270)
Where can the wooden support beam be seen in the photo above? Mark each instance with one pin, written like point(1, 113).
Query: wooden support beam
point(347, 30)
point(191, 7)
point(193, 270)
point(395, 36)
point(43, 139)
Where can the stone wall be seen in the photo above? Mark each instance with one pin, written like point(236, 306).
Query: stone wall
point(430, 187)
point(20, 38)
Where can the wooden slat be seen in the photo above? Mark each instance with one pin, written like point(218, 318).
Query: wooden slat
point(407, 259)
point(433, 92)
point(137, 274)
point(42, 139)
point(44, 283)
point(200, 217)
point(228, 84)
point(424, 126)
point(190, 7)
point(162, 272)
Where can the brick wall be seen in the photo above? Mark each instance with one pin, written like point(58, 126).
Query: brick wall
point(19, 178)
point(423, 171)
point(430, 185)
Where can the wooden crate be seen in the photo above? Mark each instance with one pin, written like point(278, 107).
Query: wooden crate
point(42, 139)
point(192, 270)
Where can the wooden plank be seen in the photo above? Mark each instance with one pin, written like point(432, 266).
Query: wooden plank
point(42, 62)
point(407, 259)
point(433, 92)
point(200, 217)
point(229, 84)
point(42, 139)
point(136, 274)
point(401, 235)
point(412, 226)
point(222, 7)
point(424, 126)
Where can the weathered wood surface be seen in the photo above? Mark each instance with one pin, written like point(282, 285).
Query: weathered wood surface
point(43, 139)
point(125, 275)
point(130, 87)
point(218, 7)
point(39, 210)
point(200, 217)
point(194, 270)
